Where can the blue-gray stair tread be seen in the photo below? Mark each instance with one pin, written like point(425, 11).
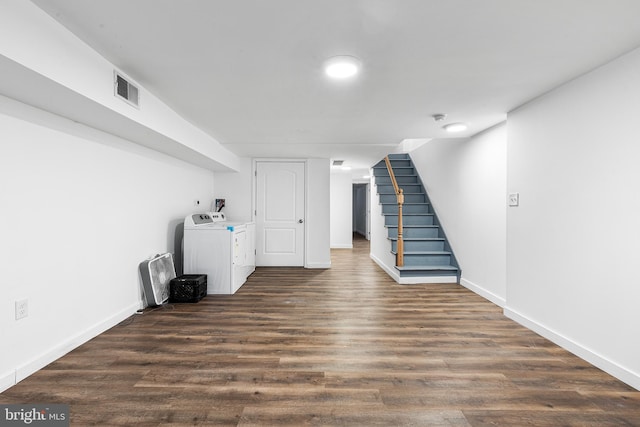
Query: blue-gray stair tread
point(420, 239)
point(404, 188)
point(384, 167)
point(413, 225)
point(424, 253)
point(410, 214)
point(404, 204)
point(393, 192)
point(427, 268)
point(381, 164)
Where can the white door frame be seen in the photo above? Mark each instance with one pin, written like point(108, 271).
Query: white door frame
point(254, 194)
point(367, 195)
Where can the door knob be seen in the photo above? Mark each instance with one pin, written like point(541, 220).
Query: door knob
point(300, 221)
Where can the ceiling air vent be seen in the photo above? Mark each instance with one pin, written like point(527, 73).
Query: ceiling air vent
point(126, 90)
point(338, 162)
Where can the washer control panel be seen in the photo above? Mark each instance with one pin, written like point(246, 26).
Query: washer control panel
point(217, 216)
point(199, 219)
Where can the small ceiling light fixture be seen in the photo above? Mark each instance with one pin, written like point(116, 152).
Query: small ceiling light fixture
point(455, 127)
point(342, 67)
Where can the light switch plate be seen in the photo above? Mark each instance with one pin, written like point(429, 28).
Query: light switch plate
point(514, 199)
point(22, 309)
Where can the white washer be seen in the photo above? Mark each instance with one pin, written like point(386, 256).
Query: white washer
point(223, 250)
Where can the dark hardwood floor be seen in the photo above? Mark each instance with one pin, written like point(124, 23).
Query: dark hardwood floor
point(345, 346)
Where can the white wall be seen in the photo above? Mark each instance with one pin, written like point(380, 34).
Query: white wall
point(573, 246)
point(318, 213)
point(466, 182)
point(59, 72)
point(236, 188)
point(379, 244)
point(341, 209)
point(80, 209)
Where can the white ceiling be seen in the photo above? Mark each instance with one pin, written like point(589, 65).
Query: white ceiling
point(249, 72)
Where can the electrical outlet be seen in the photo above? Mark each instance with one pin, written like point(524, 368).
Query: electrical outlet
point(22, 309)
point(514, 199)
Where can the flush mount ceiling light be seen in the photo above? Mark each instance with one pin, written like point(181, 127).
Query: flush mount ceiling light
point(342, 67)
point(455, 127)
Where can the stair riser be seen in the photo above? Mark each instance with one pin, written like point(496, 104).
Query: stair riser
point(412, 246)
point(408, 198)
point(399, 156)
point(408, 189)
point(414, 232)
point(399, 163)
point(407, 179)
point(426, 273)
point(403, 171)
point(409, 220)
point(380, 172)
point(393, 209)
point(411, 260)
point(411, 188)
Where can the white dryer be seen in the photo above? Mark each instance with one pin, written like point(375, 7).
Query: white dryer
point(223, 250)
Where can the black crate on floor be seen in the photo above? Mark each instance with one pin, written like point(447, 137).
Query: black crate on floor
point(188, 288)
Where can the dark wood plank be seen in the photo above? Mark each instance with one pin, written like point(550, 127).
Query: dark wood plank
point(344, 346)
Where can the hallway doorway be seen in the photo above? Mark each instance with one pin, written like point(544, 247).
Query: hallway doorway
point(361, 210)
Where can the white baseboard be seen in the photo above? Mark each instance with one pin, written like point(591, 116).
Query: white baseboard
point(390, 271)
point(342, 246)
point(32, 366)
point(318, 265)
point(497, 300)
point(8, 379)
point(610, 367)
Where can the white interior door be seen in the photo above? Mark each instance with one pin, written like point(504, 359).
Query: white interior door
point(280, 213)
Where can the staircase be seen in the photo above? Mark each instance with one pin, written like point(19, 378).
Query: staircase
point(427, 252)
